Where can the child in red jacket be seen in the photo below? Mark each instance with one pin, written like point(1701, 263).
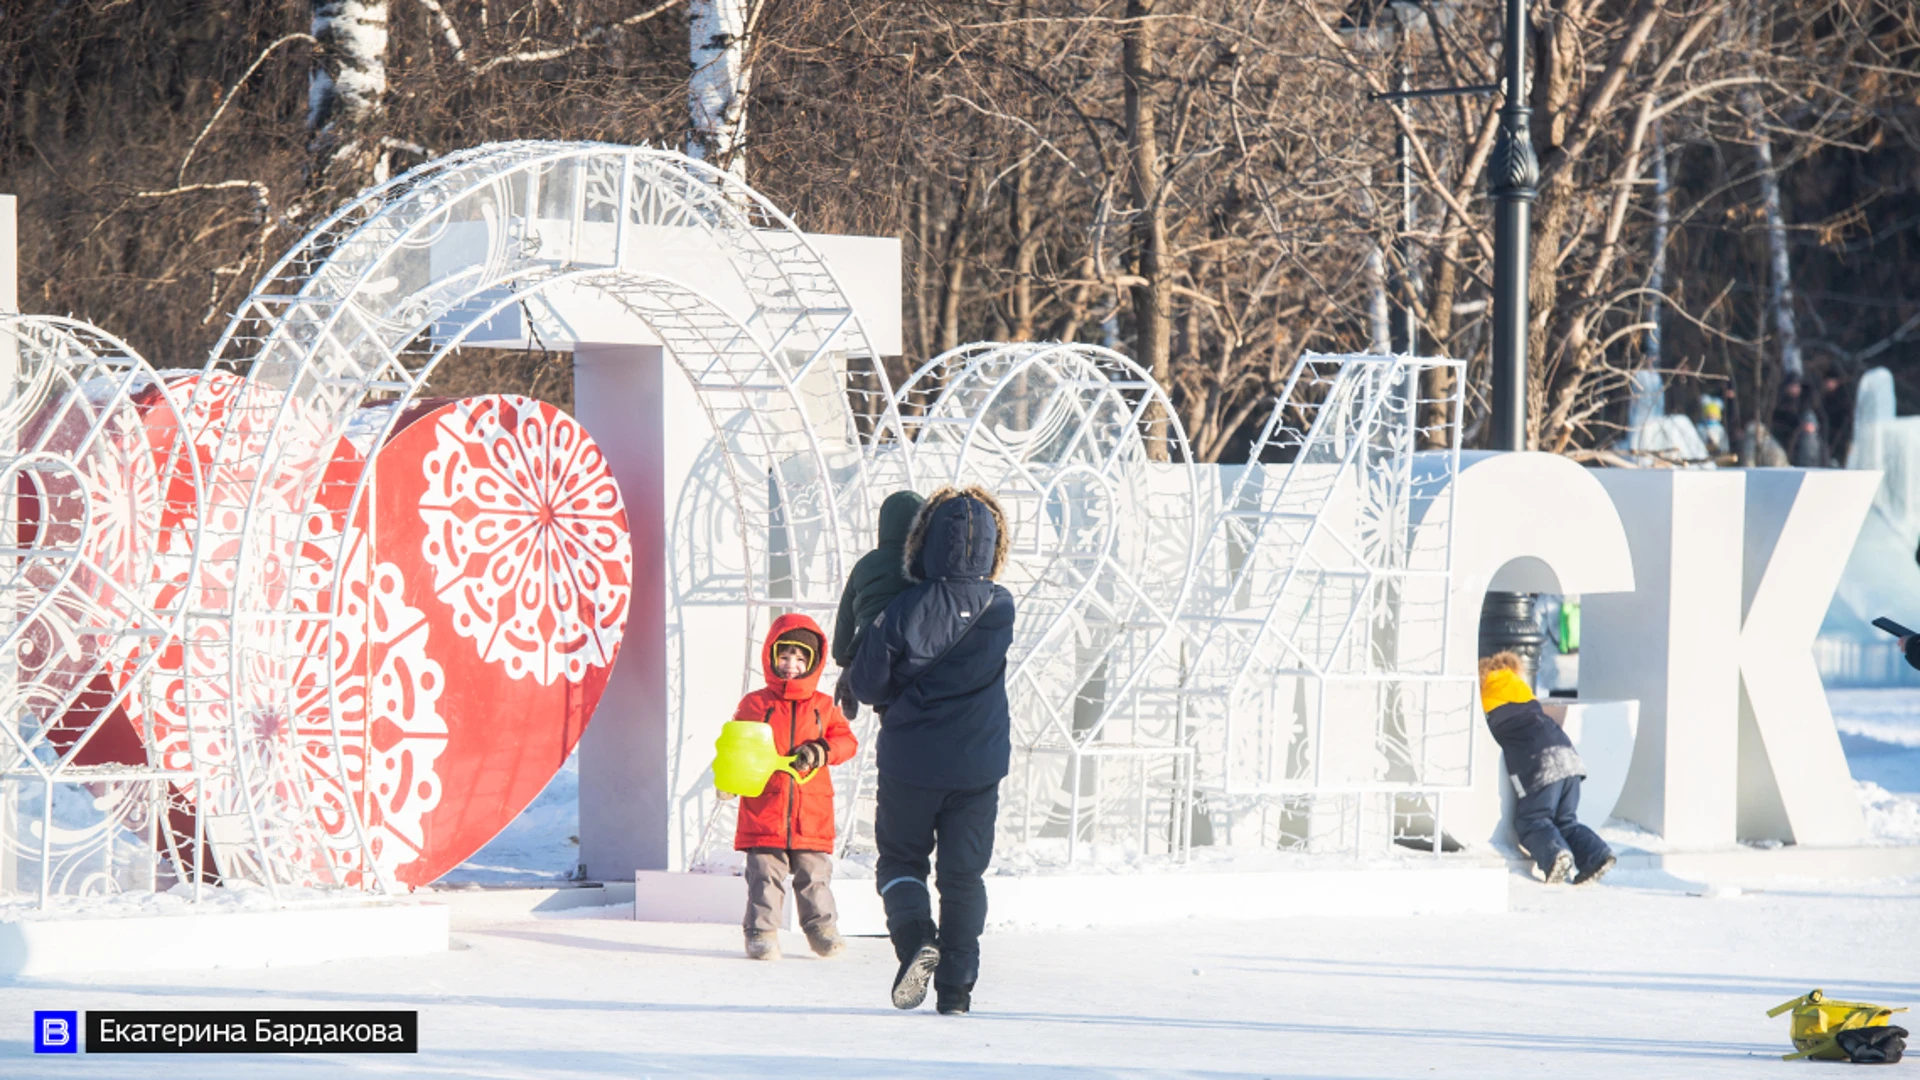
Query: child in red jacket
point(788, 828)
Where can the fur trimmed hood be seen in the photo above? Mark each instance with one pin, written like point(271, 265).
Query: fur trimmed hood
point(960, 557)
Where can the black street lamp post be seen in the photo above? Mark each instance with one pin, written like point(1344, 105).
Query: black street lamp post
point(1515, 171)
point(1507, 619)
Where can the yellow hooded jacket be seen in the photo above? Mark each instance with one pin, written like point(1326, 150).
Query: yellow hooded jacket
point(1503, 688)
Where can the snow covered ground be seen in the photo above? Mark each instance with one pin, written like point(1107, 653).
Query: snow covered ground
point(1636, 977)
point(1646, 974)
point(1880, 732)
point(540, 847)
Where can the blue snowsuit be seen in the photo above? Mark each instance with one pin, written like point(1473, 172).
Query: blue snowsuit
point(1545, 772)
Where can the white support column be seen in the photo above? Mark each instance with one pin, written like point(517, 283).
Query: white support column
point(624, 799)
point(1674, 644)
point(684, 662)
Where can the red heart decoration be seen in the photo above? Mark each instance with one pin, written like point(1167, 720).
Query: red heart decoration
point(473, 638)
point(504, 521)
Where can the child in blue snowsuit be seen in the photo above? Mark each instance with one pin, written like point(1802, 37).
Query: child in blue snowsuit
point(1545, 771)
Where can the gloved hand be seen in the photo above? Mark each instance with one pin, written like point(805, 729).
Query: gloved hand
point(809, 756)
point(843, 697)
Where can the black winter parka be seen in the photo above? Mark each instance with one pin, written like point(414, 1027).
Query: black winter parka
point(945, 723)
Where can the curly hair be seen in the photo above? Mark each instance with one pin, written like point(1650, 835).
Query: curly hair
point(1507, 660)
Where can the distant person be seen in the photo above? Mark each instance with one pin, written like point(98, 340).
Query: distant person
point(1545, 771)
point(1809, 446)
point(1837, 408)
point(1759, 449)
point(1787, 409)
point(1713, 432)
point(935, 663)
point(879, 576)
point(788, 828)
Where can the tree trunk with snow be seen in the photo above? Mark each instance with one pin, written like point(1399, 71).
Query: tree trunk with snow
point(1662, 226)
point(717, 33)
point(348, 87)
point(1153, 297)
point(1781, 300)
point(1379, 320)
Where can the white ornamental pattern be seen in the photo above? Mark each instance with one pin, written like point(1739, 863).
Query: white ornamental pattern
point(87, 501)
point(389, 731)
point(526, 536)
point(179, 740)
point(387, 770)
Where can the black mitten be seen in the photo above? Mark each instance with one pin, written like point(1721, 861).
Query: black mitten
point(1879, 1045)
point(843, 697)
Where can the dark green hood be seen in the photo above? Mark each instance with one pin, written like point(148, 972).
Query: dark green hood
point(896, 517)
point(878, 577)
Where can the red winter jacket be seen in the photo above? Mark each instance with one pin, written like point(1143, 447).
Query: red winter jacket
point(798, 817)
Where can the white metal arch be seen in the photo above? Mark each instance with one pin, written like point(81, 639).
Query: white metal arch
point(1315, 681)
point(94, 586)
point(363, 308)
point(1067, 435)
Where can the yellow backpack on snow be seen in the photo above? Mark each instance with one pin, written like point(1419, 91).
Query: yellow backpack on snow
point(1816, 1018)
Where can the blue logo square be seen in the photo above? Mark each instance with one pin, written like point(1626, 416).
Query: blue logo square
point(56, 1032)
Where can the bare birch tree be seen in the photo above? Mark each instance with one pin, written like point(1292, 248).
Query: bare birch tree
point(347, 91)
point(718, 36)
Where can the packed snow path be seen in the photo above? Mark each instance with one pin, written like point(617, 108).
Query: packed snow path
point(1635, 978)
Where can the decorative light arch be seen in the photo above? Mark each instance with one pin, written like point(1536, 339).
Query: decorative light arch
point(1152, 606)
point(1093, 468)
point(96, 584)
point(363, 308)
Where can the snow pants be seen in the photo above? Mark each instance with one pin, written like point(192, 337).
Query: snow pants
point(767, 870)
point(909, 824)
point(1547, 825)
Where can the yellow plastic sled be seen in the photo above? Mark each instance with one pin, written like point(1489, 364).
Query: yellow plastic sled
point(744, 759)
point(1816, 1018)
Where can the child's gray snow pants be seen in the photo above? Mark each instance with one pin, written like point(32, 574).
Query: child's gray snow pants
point(767, 870)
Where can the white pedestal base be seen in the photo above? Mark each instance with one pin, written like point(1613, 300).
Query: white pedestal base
point(306, 935)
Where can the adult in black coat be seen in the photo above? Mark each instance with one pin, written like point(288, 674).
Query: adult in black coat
point(935, 662)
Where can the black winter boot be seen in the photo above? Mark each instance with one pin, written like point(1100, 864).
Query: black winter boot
point(1598, 871)
point(1562, 868)
point(953, 1000)
point(916, 971)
